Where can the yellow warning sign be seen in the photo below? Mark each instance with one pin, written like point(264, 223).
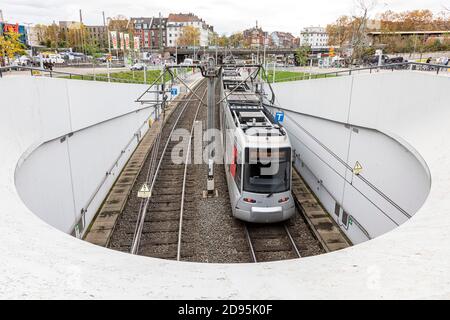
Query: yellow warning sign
point(144, 193)
point(358, 168)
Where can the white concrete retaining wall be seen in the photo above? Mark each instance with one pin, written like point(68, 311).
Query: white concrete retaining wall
point(395, 180)
point(412, 261)
point(87, 133)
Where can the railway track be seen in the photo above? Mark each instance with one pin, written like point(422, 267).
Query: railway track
point(270, 242)
point(159, 226)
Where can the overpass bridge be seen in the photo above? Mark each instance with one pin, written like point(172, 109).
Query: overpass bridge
point(240, 52)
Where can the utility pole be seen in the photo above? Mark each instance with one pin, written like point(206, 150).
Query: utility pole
point(108, 62)
point(1, 16)
point(81, 32)
point(194, 50)
point(107, 32)
point(160, 34)
point(28, 36)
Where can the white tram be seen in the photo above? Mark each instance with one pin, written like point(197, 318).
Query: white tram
point(257, 154)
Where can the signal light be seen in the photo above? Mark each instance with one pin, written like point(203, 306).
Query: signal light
point(283, 200)
point(249, 200)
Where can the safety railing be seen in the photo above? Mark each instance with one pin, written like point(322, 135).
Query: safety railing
point(68, 75)
point(89, 77)
point(414, 66)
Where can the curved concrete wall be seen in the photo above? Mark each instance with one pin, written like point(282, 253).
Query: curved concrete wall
point(395, 180)
point(38, 261)
point(88, 131)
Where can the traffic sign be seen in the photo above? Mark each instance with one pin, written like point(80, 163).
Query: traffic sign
point(332, 53)
point(144, 193)
point(279, 117)
point(174, 91)
point(358, 168)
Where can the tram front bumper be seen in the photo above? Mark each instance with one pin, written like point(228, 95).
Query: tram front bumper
point(266, 215)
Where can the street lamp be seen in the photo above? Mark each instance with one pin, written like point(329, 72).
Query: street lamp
point(28, 24)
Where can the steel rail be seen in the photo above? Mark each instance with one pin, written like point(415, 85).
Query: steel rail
point(183, 194)
point(291, 239)
point(142, 215)
point(250, 244)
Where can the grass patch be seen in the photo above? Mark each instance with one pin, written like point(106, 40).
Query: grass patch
point(126, 76)
point(285, 76)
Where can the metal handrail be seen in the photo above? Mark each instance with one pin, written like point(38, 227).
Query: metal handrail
point(68, 74)
point(393, 66)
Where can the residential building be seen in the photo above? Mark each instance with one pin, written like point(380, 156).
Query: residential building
point(282, 39)
point(151, 31)
point(176, 23)
point(256, 37)
point(34, 37)
point(315, 37)
point(98, 35)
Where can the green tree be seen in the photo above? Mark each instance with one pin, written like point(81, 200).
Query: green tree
point(10, 46)
point(302, 55)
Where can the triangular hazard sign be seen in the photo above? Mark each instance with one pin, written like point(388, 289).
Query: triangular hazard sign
point(358, 168)
point(144, 192)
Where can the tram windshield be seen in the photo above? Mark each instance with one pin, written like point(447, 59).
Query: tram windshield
point(267, 170)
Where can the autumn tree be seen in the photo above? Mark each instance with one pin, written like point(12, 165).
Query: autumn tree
point(120, 23)
point(78, 37)
point(340, 32)
point(10, 46)
point(52, 36)
point(190, 36)
point(237, 40)
point(416, 20)
point(213, 39)
point(40, 31)
point(223, 41)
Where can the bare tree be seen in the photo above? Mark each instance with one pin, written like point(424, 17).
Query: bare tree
point(361, 16)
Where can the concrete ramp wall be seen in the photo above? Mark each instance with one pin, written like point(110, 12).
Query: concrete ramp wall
point(38, 261)
point(336, 123)
point(87, 131)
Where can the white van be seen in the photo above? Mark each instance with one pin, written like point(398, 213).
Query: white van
point(188, 62)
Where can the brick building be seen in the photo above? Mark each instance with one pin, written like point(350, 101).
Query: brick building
point(255, 37)
point(151, 31)
point(282, 39)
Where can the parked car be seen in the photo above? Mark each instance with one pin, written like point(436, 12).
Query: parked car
point(373, 60)
point(53, 58)
point(137, 67)
point(22, 61)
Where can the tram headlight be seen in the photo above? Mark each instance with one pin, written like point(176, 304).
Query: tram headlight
point(283, 200)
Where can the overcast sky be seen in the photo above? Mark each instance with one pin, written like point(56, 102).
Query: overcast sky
point(225, 16)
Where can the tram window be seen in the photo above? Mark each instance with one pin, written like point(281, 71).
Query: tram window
point(267, 171)
point(345, 218)
point(238, 176)
point(236, 168)
point(337, 209)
